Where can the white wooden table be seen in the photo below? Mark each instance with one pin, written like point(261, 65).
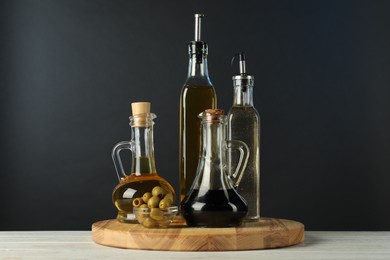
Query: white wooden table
point(78, 245)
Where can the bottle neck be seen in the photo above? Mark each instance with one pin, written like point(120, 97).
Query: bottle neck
point(213, 138)
point(198, 66)
point(243, 95)
point(198, 73)
point(211, 171)
point(143, 150)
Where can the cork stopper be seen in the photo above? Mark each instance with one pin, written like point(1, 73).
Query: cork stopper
point(140, 108)
point(141, 115)
point(212, 116)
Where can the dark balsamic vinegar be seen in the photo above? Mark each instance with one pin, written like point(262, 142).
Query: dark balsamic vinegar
point(215, 208)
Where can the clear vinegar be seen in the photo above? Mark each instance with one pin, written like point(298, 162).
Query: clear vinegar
point(244, 125)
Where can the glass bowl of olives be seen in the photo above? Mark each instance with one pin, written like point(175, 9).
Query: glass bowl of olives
point(155, 217)
point(154, 209)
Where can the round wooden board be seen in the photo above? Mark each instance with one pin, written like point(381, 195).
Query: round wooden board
point(266, 233)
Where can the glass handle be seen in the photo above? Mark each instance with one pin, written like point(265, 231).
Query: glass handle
point(116, 158)
point(242, 162)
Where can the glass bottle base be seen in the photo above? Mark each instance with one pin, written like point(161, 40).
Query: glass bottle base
point(214, 219)
point(215, 208)
point(251, 219)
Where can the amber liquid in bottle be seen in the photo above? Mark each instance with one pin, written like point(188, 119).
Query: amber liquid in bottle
point(194, 100)
point(132, 187)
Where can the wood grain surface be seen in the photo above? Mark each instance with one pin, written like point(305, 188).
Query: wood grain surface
point(267, 233)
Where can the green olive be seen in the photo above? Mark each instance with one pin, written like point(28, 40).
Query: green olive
point(153, 202)
point(164, 203)
point(158, 191)
point(169, 197)
point(137, 202)
point(156, 214)
point(140, 217)
point(143, 206)
point(164, 222)
point(150, 223)
point(146, 197)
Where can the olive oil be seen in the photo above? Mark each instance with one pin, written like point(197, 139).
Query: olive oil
point(143, 177)
point(197, 95)
point(194, 100)
point(134, 186)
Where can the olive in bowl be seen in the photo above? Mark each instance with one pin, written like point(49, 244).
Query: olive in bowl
point(155, 217)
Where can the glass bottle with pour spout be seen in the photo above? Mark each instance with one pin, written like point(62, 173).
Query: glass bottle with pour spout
point(197, 95)
point(143, 177)
point(213, 200)
point(244, 124)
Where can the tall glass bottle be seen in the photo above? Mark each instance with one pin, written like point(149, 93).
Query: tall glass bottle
point(197, 95)
point(143, 177)
point(244, 124)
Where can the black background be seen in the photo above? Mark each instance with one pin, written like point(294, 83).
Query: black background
point(69, 70)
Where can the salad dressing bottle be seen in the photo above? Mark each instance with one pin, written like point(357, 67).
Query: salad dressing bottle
point(197, 95)
point(244, 124)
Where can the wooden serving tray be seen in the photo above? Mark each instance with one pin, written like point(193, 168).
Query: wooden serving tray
point(266, 233)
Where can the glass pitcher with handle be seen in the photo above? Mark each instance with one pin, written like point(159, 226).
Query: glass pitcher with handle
point(143, 178)
point(213, 200)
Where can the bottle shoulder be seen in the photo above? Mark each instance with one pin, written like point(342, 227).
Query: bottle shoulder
point(198, 81)
point(201, 87)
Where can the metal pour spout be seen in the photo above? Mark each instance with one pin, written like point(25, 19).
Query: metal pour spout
point(242, 63)
point(198, 19)
point(243, 78)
